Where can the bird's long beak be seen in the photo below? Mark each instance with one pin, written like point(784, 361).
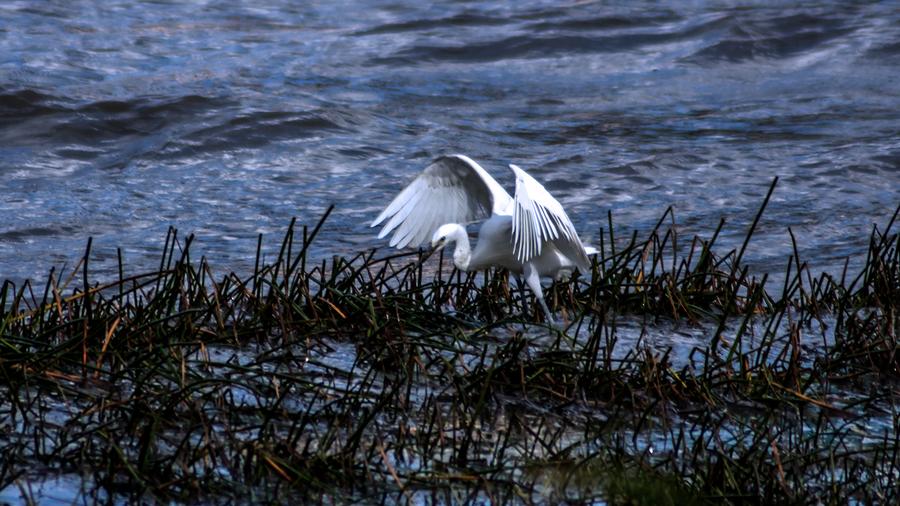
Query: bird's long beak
point(435, 247)
point(426, 253)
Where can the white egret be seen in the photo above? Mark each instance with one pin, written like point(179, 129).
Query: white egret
point(530, 235)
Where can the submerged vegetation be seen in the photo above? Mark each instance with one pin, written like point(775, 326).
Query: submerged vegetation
point(395, 379)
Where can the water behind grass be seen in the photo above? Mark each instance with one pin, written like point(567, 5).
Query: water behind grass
point(119, 120)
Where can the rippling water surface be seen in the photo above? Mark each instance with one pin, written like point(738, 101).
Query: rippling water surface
point(119, 119)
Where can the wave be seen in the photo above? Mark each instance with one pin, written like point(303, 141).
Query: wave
point(773, 38)
point(113, 132)
point(731, 36)
point(257, 129)
point(549, 39)
point(459, 20)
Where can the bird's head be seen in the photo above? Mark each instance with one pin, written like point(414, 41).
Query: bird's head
point(443, 235)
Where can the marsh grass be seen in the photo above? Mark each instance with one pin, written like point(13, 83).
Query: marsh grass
point(397, 379)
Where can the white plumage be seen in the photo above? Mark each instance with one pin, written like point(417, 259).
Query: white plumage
point(530, 235)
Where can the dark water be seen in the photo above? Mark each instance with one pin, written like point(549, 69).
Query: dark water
point(119, 119)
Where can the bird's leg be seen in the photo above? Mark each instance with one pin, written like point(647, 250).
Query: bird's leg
point(522, 293)
point(534, 282)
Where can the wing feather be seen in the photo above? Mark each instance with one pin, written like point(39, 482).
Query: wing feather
point(408, 206)
point(538, 218)
point(452, 189)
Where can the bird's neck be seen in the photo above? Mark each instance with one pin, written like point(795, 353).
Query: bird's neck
point(462, 253)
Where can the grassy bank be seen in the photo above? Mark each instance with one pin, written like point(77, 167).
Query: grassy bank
point(394, 378)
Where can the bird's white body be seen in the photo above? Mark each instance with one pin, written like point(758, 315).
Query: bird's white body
point(494, 249)
point(530, 234)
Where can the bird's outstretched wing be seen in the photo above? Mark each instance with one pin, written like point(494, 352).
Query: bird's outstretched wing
point(538, 218)
point(453, 189)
